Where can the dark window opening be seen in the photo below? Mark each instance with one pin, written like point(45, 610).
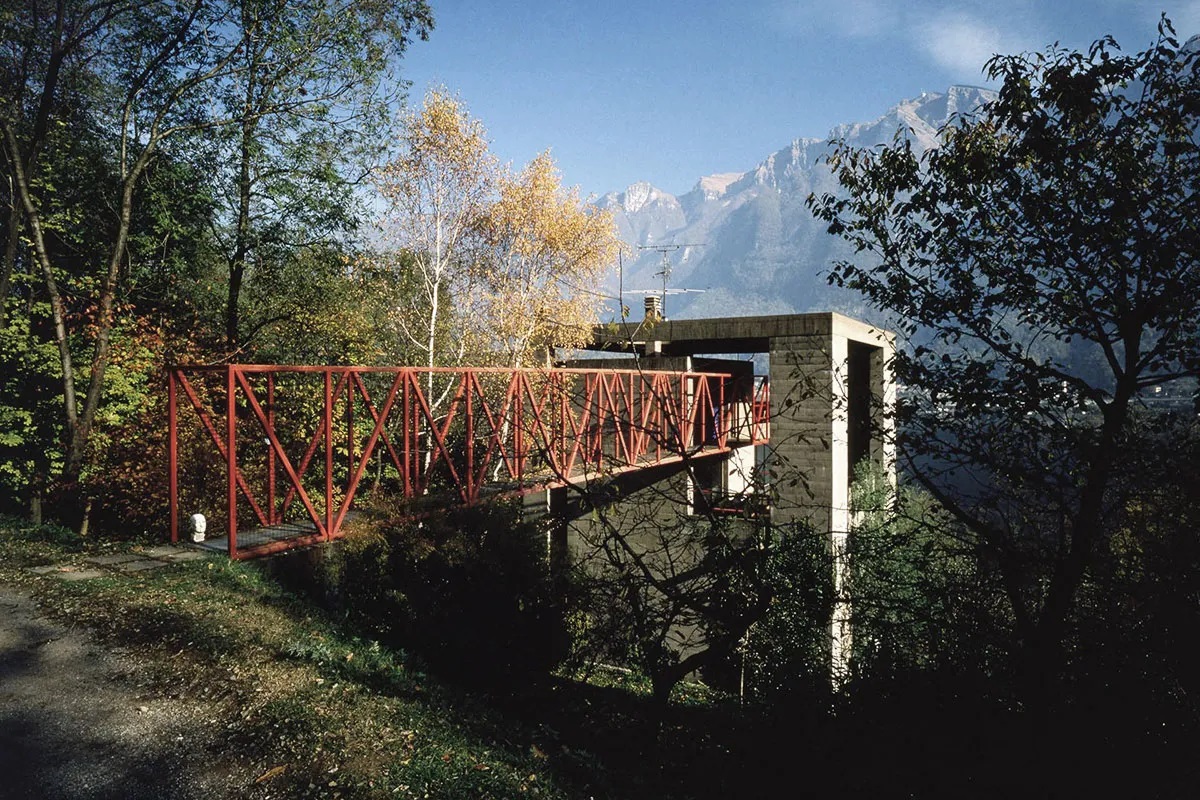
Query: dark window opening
point(858, 404)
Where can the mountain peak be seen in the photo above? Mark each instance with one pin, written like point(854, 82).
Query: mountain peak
point(764, 251)
point(713, 186)
point(921, 116)
point(638, 195)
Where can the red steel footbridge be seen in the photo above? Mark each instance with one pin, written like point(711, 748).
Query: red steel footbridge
point(297, 444)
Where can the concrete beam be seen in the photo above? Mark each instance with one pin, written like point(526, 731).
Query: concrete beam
point(730, 334)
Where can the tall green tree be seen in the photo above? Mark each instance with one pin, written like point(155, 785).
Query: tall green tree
point(148, 74)
point(143, 68)
point(1057, 225)
point(309, 101)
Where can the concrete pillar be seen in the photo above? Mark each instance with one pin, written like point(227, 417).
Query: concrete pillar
point(804, 440)
point(829, 391)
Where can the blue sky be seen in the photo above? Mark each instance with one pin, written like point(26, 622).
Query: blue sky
point(668, 91)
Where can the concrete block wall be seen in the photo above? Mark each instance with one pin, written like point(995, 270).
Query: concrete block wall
point(803, 430)
point(810, 419)
point(832, 397)
point(814, 391)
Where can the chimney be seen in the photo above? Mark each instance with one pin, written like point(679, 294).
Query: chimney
point(653, 308)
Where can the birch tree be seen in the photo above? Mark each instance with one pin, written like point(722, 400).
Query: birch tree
point(436, 190)
point(508, 263)
point(546, 253)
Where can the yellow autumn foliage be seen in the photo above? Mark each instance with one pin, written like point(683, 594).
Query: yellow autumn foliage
point(545, 253)
point(509, 262)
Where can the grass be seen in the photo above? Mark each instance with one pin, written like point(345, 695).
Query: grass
point(321, 711)
point(324, 712)
point(344, 716)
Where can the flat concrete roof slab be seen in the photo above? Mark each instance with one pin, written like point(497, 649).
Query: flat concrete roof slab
point(732, 334)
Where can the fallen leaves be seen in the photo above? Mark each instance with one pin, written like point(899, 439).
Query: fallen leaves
point(273, 772)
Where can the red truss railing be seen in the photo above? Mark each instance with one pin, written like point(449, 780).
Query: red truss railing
point(284, 434)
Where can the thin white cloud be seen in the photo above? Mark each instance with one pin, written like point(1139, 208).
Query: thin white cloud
point(956, 35)
point(961, 43)
point(865, 18)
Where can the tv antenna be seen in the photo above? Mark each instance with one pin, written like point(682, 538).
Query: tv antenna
point(664, 272)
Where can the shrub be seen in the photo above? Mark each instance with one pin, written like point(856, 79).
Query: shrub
point(468, 588)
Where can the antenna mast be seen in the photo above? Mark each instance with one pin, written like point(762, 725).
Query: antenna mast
point(665, 268)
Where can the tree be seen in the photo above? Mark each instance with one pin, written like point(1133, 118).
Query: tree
point(146, 74)
point(49, 59)
point(545, 253)
point(436, 189)
point(1053, 230)
point(308, 99)
point(922, 608)
point(661, 589)
point(168, 231)
point(509, 262)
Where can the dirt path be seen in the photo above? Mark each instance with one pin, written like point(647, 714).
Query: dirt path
point(79, 721)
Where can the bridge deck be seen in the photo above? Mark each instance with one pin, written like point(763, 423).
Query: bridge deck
point(284, 536)
point(300, 441)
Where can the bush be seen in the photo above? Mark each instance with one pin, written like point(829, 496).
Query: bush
point(928, 614)
point(469, 589)
point(787, 651)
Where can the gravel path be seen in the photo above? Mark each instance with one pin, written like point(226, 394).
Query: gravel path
point(78, 721)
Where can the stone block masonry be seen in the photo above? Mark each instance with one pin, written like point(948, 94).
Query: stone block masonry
point(832, 400)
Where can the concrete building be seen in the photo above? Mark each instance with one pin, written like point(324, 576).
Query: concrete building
point(831, 396)
point(831, 406)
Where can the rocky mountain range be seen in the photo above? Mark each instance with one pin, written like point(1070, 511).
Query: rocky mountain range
point(762, 251)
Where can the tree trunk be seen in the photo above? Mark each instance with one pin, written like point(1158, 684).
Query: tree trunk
point(35, 507)
point(661, 683)
point(57, 307)
point(431, 346)
point(1040, 667)
point(10, 256)
point(104, 325)
point(241, 243)
point(237, 269)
